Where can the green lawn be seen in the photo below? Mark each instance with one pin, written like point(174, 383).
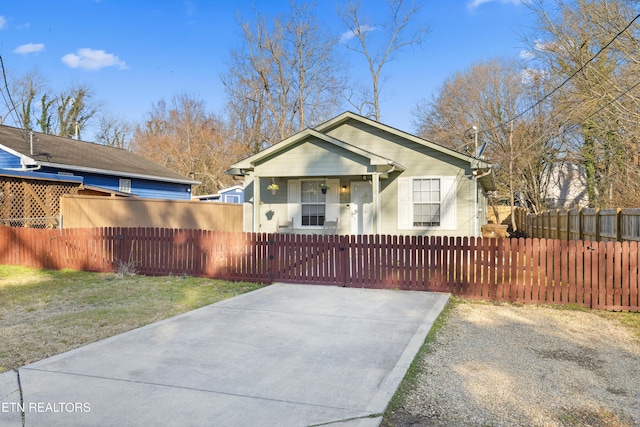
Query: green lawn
point(46, 312)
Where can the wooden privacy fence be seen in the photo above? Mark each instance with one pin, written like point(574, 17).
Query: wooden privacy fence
point(607, 225)
point(600, 275)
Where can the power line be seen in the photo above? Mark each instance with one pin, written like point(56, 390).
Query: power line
point(613, 100)
point(557, 88)
point(11, 106)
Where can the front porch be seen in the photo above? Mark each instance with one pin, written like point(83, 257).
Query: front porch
point(317, 205)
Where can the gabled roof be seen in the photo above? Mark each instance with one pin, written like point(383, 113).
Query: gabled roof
point(348, 115)
point(64, 153)
point(250, 162)
point(320, 133)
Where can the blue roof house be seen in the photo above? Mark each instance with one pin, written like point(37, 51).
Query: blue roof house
point(101, 168)
point(233, 194)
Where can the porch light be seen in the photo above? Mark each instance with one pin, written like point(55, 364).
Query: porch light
point(344, 188)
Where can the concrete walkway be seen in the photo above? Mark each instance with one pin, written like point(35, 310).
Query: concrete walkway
point(285, 355)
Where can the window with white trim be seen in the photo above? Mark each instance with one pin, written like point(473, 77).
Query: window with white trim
point(426, 202)
point(125, 185)
point(308, 207)
point(313, 203)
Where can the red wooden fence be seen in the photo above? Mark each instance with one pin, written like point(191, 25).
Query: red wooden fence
point(600, 275)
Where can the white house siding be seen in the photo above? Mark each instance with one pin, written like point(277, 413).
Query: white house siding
point(431, 163)
point(313, 157)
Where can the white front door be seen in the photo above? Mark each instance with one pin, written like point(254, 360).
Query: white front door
point(361, 208)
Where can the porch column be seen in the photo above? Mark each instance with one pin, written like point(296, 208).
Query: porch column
point(375, 181)
point(256, 204)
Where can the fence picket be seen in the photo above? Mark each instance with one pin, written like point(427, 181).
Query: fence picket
point(616, 293)
point(634, 281)
point(601, 275)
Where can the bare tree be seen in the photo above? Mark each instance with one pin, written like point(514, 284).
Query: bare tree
point(590, 49)
point(65, 114)
point(283, 79)
point(74, 108)
point(489, 95)
point(114, 132)
point(184, 137)
point(23, 92)
point(398, 32)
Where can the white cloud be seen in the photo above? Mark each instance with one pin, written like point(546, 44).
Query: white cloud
point(527, 54)
point(28, 48)
point(3, 22)
point(538, 46)
point(91, 59)
point(348, 35)
point(474, 4)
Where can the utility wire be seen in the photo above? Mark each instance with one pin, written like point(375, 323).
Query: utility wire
point(613, 100)
point(557, 88)
point(11, 106)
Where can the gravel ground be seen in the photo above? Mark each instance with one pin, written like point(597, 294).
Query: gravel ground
point(514, 365)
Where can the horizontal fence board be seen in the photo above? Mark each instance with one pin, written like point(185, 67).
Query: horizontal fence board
point(601, 275)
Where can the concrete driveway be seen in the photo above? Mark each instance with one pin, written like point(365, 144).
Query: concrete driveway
point(285, 355)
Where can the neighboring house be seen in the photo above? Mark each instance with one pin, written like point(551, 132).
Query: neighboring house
point(380, 181)
point(101, 168)
point(567, 186)
point(233, 194)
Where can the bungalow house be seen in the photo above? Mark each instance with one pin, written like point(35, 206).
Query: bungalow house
point(353, 175)
point(233, 194)
point(99, 168)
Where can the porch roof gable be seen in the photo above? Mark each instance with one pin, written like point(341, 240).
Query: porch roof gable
point(249, 163)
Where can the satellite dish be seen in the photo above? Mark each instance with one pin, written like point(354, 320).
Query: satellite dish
point(481, 150)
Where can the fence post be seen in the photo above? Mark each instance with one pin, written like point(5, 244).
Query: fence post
point(580, 225)
point(618, 225)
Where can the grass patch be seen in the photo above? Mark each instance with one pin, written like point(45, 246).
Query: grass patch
point(46, 312)
point(631, 320)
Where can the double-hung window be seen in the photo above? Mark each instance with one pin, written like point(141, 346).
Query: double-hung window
point(308, 206)
point(427, 202)
point(313, 203)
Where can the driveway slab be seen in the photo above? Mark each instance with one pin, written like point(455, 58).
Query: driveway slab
point(286, 355)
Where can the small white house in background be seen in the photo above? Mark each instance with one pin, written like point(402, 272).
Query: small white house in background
point(567, 186)
point(233, 194)
point(363, 177)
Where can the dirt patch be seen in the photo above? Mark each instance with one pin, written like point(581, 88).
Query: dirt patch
point(525, 365)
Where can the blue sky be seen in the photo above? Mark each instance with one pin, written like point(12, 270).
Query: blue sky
point(135, 52)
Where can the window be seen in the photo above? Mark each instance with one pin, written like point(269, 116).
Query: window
point(426, 202)
point(231, 198)
point(313, 203)
point(125, 185)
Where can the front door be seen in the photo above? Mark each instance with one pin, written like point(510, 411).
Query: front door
point(361, 208)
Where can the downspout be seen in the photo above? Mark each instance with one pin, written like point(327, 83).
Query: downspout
point(476, 222)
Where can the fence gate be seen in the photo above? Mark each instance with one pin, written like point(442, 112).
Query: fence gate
point(314, 259)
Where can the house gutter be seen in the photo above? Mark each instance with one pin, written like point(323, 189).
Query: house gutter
point(476, 221)
point(23, 168)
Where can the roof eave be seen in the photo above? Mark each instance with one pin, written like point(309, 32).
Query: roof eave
point(119, 173)
point(350, 115)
